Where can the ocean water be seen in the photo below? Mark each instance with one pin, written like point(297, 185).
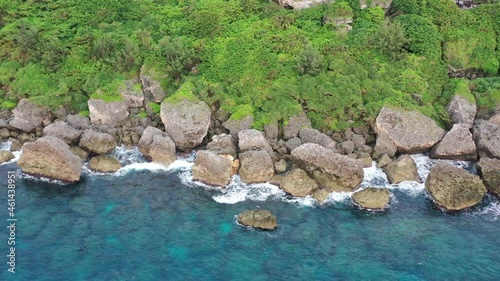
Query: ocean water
point(146, 222)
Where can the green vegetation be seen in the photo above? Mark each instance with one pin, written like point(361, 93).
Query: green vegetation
point(251, 56)
point(155, 108)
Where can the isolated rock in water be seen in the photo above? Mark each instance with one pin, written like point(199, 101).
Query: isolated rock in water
point(260, 219)
point(462, 110)
point(235, 126)
point(211, 168)
point(457, 144)
point(330, 170)
point(298, 183)
point(144, 144)
point(256, 166)
point(315, 136)
point(372, 198)
point(113, 114)
point(152, 89)
point(162, 150)
point(6, 156)
point(100, 143)
point(454, 188)
point(223, 144)
point(402, 169)
point(78, 122)
point(383, 146)
point(410, 131)
point(28, 116)
point(131, 91)
point(186, 122)
point(294, 125)
point(50, 157)
point(104, 164)
point(487, 137)
point(63, 131)
point(253, 140)
point(490, 169)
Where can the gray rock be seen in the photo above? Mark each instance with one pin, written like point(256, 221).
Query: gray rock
point(162, 150)
point(236, 126)
point(321, 195)
point(253, 140)
point(384, 4)
point(294, 125)
point(146, 140)
point(131, 92)
point(358, 141)
point(223, 144)
point(4, 133)
point(298, 183)
point(260, 219)
point(315, 136)
point(280, 166)
point(271, 131)
point(490, 170)
point(99, 143)
point(211, 168)
point(78, 122)
point(6, 156)
point(61, 130)
point(454, 188)
point(384, 146)
point(104, 164)
point(346, 147)
point(293, 143)
point(462, 110)
point(50, 157)
point(384, 160)
point(410, 131)
point(402, 169)
point(79, 152)
point(372, 198)
point(186, 122)
point(495, 119)
point(256, 166)
point(28, 116)
point(152, 89)
point(300, 4)
point(487, 137)
point(113, 114)
point(330, 170)
point(457, 144)
point(16, 145)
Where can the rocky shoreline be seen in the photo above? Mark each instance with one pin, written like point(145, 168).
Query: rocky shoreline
point(299, 159)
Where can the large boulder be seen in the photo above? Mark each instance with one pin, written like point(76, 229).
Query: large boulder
point(457, 144)
point(253, 140)
point(330, 170)
point(372, 198)
point(78, 121)
point(223, 144)
point(294, 125)
point(402, 169)
point(50, 157)
point(487, 137)
point(186, 122)
point(28, 116)
point(96, 142)
point(62, 130)
point(211, 168)
point(300, 4)
point(260, 219)
point(410, 131)
point(131, 92)
point(162, 150)
point(104, 164)
point(256, 166)
point(237, 125)
point(315, 136)
point(298, 183)
point(384, 145)
point(490, 170)
point(113, 114)
point(146, 139)
point(454, 188)
point(462, 110)
point(151, 86)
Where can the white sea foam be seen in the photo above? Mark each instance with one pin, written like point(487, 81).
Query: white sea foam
point(492, 211)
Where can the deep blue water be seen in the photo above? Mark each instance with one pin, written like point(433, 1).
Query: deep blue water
point(148, 225)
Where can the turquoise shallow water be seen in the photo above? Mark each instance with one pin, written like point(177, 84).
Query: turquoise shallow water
point(148, 225)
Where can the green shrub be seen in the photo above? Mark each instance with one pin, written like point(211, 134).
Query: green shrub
point(156, 108)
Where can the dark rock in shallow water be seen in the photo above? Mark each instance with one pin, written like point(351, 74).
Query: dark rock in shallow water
point(454, 188)
point(490, 170)
point(402, 169)
point(104, 164)
point(211, 168)
point(372, 198)
point(260, 219)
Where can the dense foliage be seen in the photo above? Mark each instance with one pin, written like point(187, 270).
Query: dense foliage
point(250, 56)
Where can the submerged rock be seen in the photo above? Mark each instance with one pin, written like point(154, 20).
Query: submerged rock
point(6, 156)
point(63, 131)
point(372, 198)
point(50, 157)
point(211, 168)
point(28, 116)
point(298, 183)
point(402, 169)
point(410, 131)
point(260, 219)
point(330, 170)
point(113, 114)
point(99, 143)
point(490, 170)
point(186, 122)
point(454, 188)
point(457, 144)
point(256, 166)
point(104, 164)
